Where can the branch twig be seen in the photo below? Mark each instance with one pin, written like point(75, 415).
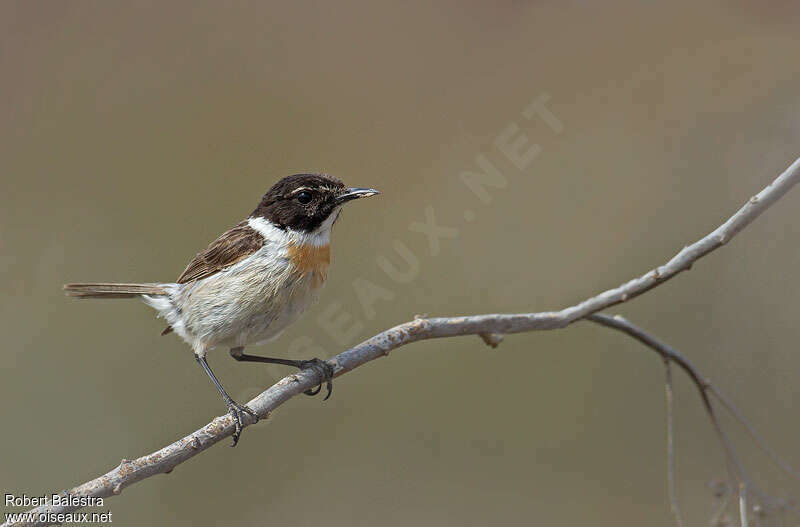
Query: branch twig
point(164, 460)
point(755, 436)
point(671, 477)
point(668, 353)
point(743, 505)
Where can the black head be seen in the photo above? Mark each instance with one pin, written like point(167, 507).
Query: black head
point(303, 201)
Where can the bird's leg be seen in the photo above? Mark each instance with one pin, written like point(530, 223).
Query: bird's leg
point(235, 409)
point(321, 367)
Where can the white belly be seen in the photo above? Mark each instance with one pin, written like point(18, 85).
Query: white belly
point(253, 301)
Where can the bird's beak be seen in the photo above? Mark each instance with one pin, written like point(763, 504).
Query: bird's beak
point(356, 193)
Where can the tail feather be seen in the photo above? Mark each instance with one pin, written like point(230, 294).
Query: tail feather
point(106, 290)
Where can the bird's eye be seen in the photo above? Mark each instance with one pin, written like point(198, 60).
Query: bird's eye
point(304, 197)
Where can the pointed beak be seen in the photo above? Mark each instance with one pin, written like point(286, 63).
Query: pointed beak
point(356, 193)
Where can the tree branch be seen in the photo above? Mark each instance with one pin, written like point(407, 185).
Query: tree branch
point(672, 482)
point(129, 472)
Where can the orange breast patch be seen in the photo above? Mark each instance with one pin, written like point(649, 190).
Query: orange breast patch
point(310, 258)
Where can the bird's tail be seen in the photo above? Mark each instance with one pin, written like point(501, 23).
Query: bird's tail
point(104, 290)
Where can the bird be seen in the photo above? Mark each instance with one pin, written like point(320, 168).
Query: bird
point(253, 281)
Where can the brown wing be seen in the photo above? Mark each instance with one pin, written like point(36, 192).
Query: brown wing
point(234, 245)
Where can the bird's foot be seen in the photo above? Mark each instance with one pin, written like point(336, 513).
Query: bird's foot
point(324, 370)
point(237, 411)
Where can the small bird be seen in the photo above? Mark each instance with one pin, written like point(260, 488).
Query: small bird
point(253, 281)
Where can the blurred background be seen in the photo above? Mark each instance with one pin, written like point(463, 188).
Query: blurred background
point(131, 135)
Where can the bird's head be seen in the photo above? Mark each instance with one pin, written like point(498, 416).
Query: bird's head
point(307, 203)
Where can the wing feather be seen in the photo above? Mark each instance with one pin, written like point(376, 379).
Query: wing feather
point(232, 246)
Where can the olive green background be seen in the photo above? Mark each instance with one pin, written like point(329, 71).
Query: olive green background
point(132, 134)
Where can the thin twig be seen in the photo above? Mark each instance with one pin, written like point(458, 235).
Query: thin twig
point(716, 518)
point(736, 472)
point(166, 459)
point(755, 436)
point(667, 352)
point(671, 479)
point(743, 505)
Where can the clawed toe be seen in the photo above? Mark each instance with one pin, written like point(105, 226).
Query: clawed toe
point(324, 370)
point(237, 410)
point(314, 392)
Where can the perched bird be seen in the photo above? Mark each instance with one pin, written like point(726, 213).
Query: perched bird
point(252, 282)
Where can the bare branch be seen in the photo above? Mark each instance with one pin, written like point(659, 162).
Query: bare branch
point(671, 479)
point(723, 493)
point(755, 436)
point(166, 459)
point(743, 505)
point(668, 353)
